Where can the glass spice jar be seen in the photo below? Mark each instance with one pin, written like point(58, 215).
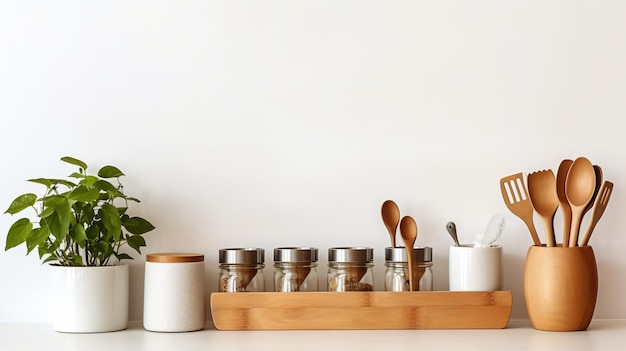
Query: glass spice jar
point(241, 270)
point(350, 269)
point(397, 269)
point(295, 269)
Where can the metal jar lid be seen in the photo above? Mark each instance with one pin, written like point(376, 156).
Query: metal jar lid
point(398, 254)
point(295, 254)
point(351, 254)
point(242, 256)
point(174, 257)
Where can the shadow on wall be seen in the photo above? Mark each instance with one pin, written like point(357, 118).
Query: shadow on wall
point(513, 271)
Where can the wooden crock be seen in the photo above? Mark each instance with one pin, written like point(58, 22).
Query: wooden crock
point(560, 287)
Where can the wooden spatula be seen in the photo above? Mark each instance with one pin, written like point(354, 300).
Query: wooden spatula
point(516, 199)
point(598, 209)
point(545, 201)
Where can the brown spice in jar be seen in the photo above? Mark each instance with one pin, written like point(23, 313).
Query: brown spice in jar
point(348, 284)
point(237, 282)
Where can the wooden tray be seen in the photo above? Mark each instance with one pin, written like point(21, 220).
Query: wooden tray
point(361, 310)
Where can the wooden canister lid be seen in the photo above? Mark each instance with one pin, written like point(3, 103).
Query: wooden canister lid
point(174, 257)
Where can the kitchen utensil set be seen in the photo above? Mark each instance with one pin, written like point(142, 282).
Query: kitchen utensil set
point(483, 239)
point(577, 188)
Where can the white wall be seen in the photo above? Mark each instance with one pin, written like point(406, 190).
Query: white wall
point(273, 123)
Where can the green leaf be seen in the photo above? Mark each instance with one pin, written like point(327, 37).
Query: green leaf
point(79, 235)
point(59, 222)
point(46, 212)
point(77, 175)
point(55, 201)
point(18, 233)
point(92, 232)
point(45, 181)
point(77, 261)
point(49, 258)
point(103, 185)
point(53, 223)
point(88, 214)
point(89, 180)
point(21, 202)
point(105, 248)
point(84, 194)
point(110, 172)
point(123, 256)
point(48, 182)
point(37, 237)
point(132, 199)
point(138, 225)
point(111, 220)
point(75, 162)
point(136, 242)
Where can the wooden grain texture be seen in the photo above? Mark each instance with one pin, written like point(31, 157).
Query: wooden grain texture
point(560, 287)
point(361, 310)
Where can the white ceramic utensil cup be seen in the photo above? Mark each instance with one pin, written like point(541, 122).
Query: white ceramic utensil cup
point(475, 268)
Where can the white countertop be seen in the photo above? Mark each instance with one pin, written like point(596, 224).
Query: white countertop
point(519, 335)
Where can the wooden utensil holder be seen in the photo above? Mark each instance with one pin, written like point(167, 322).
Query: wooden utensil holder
point(560, 287)
point(361, 310)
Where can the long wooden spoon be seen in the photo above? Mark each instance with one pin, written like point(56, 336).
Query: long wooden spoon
point(391, 218)
point(408, 230)
point(542, 192)
point(561, 175)
point(579, 188)
point(598, 209)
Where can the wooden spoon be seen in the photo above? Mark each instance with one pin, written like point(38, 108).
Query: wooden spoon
point(579, 188)
point(391, 218)
point(408, 230)
point(545, 200)
point(598, 170)
point(561, 175)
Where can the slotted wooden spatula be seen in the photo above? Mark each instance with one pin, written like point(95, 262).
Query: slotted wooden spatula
point(516, 199)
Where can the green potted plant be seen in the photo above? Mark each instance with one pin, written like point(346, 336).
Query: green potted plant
point(81, 229)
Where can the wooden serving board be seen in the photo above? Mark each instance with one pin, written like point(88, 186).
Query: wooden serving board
point(361, 310)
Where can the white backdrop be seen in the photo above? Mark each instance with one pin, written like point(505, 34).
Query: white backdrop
point(280, 123)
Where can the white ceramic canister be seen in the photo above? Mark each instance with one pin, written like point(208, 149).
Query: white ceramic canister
point(174, 292)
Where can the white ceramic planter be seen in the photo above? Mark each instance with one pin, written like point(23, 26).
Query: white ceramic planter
point(89, 299)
